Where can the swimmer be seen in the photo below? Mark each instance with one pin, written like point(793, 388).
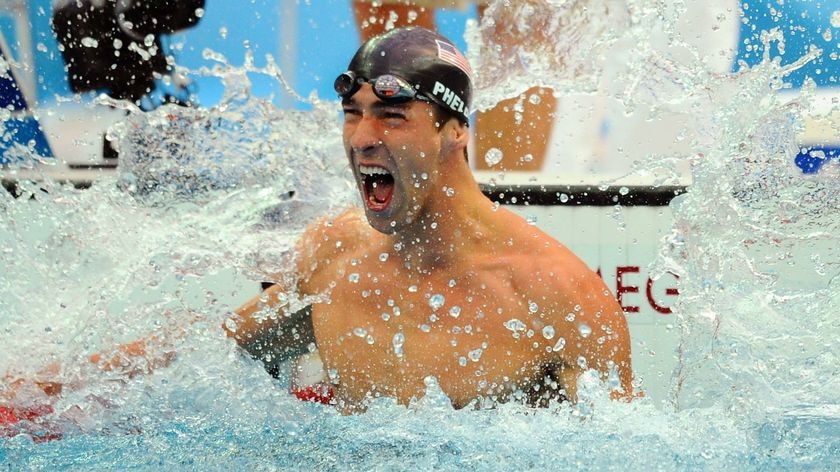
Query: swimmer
point(430, 277)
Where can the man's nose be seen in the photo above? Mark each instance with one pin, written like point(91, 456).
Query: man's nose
point(366, 135)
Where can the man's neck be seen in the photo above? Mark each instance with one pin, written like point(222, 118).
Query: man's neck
point(450, 225)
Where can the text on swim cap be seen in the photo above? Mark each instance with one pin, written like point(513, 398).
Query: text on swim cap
point(449, 97)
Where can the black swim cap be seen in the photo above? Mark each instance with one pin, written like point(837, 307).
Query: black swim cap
point(424, 59)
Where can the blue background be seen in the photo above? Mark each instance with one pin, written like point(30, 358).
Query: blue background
point(326, 37)
point(325, 31)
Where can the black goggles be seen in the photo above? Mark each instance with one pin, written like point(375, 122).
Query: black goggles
point(387, 87)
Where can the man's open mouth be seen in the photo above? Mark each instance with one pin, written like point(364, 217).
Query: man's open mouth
point(378, 186)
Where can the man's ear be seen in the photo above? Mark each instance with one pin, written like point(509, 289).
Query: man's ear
point(456, 136)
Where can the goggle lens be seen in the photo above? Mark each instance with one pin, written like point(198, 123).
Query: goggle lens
point(346, 84)
point(388, 88)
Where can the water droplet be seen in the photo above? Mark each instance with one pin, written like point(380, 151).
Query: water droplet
point(531, 219)
point(548, 332)
point(451, 283)
point(89, 42)
point(223, 32)
point(436, 301)
point(425, 328)
point(449, 191)
point(559, 345)
point(386, 316)
point(383, 257)
point(353, 278)
point(398, 341)
point(369, 339)
point(455, 311)
point(424, 176)
point(41, 47)
point(564, 198)
point(581, 362)
point(493, 156)
point(360, 332)
point(462, 361)
point(390, 302)
point(624, 190)
point(412, 289)
point(835, 19)
point(535, 99)
point(585, 330)
point(570, 317)
point(515, 326)
point(332, 373)
point(533, 307)
point(475, 354)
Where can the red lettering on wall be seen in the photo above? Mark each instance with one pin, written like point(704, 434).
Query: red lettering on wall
point(621, 289)
point(668, 291)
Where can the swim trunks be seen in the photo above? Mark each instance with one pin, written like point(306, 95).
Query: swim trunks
point(309, 380)
point(11, 417)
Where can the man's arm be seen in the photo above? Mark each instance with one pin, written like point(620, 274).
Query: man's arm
point(601, 339)
point(589, 320)
point(266, 333)
point(265, 327)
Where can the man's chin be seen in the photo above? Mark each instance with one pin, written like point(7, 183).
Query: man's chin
point(381, 221)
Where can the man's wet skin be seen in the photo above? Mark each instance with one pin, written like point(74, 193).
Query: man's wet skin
point(433, 279)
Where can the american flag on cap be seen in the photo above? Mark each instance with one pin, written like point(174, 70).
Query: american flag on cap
point(450, 54)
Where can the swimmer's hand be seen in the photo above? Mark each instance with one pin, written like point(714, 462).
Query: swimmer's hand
point(12, 386)
point(624, 397)
point(134, 358)
point(152, 352)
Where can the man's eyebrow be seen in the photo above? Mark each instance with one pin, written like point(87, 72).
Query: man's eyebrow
point(379, 106)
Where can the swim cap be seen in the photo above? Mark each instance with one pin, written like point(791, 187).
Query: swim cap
point(426, 60)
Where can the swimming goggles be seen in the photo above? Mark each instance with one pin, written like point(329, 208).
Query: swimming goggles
point(388, 87)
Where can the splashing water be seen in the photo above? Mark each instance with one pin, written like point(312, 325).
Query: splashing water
point(208, 202)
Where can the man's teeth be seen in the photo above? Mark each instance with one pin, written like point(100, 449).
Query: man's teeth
point(368, 170)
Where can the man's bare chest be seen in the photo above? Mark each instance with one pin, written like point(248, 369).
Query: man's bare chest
point(384, 336)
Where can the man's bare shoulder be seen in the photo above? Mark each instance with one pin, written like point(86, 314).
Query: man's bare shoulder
point(544, 268)
point(337, 234)
point(549, 266)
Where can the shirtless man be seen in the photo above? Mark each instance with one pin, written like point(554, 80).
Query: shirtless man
point(431, 278)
